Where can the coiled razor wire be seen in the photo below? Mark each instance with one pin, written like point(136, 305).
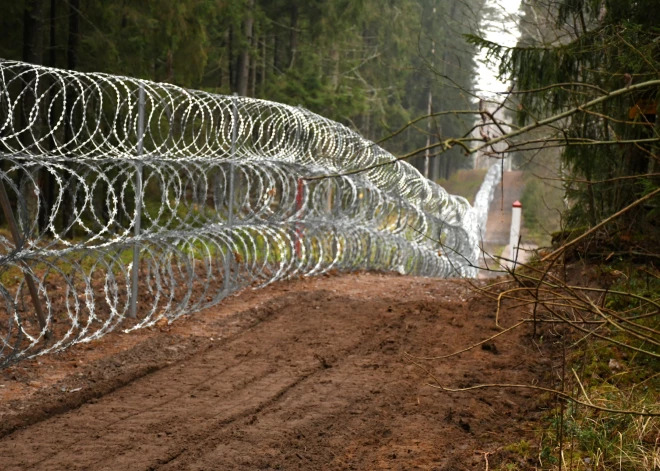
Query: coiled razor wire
point(485, 196)
point(122, 186)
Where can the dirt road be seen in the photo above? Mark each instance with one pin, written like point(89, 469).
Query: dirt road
point(307, 375)
point(498, 228)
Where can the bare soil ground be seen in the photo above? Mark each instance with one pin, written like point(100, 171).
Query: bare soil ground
point(310, 374)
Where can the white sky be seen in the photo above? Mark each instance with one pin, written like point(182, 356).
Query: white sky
point(501, 27)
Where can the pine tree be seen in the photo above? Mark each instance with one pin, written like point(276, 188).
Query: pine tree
point(365, 63)
point(594, 47)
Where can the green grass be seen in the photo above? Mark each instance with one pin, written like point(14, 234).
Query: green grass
point(464, 183)
point(542, 202)
point(610, 376)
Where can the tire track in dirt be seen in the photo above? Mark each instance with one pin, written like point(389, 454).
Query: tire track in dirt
point(115, 371)
point(316, 380)
point(254, 380)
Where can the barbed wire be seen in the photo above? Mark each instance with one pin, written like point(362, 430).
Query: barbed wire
point(205, 194)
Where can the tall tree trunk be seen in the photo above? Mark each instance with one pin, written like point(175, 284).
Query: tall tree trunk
point(74, 34)
point(243, 72)
point(262, 78)
point(334, 56)
point(223, 78)
point(33, 31)
point(448, 162)
point(169, 66)
point(253, 78)
point(33, 48)
point(33, 45)
point(253, 70)
point(69, 204)
point(276, 53)
point(230, 59)
point(47, 179)
point(52, 44)
point(293, 34)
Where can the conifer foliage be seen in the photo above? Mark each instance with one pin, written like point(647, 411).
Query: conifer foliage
point(369, 64)
point(584, 51)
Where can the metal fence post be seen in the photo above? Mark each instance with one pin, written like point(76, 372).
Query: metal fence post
point(300, 194)
point(230, 207)
point(370, 218)
point(337, 212)
point(138, 203)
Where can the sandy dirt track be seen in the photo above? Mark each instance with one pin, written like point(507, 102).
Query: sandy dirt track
point(498, 227)
point(309, 374)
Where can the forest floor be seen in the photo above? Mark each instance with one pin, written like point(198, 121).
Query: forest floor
point(307, 374)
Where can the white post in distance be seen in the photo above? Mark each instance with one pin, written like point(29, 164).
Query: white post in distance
point(514, 240)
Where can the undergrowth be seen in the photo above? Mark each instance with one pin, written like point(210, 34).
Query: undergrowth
point(542, 203)
point(602, 375)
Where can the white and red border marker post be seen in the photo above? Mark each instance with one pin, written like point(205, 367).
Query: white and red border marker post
point(514, 240)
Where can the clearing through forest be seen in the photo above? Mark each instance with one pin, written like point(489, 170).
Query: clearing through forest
point(309, 374)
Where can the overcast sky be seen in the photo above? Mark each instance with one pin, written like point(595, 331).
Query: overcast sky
point(500, 27)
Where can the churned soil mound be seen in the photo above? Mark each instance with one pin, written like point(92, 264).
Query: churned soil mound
point(309, 374)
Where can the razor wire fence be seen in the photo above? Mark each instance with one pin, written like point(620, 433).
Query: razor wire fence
point(485, 196)
point(128, 201)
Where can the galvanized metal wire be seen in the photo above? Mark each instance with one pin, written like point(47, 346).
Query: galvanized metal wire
point(485, 196)
point(209, 194)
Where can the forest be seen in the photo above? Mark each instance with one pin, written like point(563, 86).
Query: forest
point(373, 65)
point(572, 330)
point(586, 75)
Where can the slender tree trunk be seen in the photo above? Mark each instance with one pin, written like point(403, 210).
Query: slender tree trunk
point(69, 204)
point(223, 79)
point(253, 71)
point(448, 160)
point(74, 34)
point(262, 84)
point(33, 42)
point(169, 67)
point(33, 48)
point(427, 154)
point(334, 56)
point(593, 218)
point(33, 31)
point(276, 53)
point(243, 72)
point(47, 179)
point(52, 44)
point(253, 79)
point(293, 34)
point(230, 59)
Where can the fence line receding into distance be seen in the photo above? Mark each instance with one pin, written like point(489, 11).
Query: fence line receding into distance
point(120, 186)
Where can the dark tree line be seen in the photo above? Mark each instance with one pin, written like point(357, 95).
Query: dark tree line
point(367, 63)
point(577, 51)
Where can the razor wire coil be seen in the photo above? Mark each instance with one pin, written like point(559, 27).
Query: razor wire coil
point(485, 196)
point(211, 193)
